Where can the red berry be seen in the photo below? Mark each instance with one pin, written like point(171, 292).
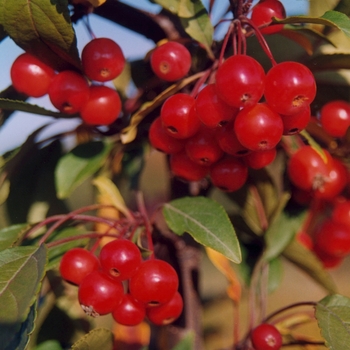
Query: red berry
point(102, 107)
point(120, 258)
point(76, 264)
point(171, 61)
point(240, 81)
point(335, 118)
point(264, 11)
point(211, 110)
point(305, 240)
point(202, 147)
point(69, 91)
point(161, 140)
point(297, 83)
point(99, 294)
point(293, 124)
point(166, 313)
point(129, 312)
point(260, 159)
point(31, 76)
point(102, 59)
point(328, 261)
point(154, 283)
point(341, 212)
point(179, 116)
point(266, 337)
point(186, 169)
point(229, 174)
point(258, 127)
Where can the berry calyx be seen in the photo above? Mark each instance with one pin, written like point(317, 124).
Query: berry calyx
point(171, 61)
point(266, 337)
point(102, 59)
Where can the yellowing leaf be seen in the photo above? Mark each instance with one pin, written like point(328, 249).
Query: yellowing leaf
point(94, 3)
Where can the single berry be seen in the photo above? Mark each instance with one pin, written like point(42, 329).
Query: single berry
point(212, 110)
point(102, 59)
point(229, 174)
point(264, 11)
point(266, 337)
point(120, 258)
point(166, 313)
point(99, 294)
point(240, 81)
point(161, 140)
point(179, 116)
point(102, 107)
point(30, 76)
point(69, 91)
point(341, 212)
point(76, 264)
point(258, 127)
point(154, 283)
point(297, 83)
point(129, 312)
point(171, 61)
point(260, 159)
point(293, 124)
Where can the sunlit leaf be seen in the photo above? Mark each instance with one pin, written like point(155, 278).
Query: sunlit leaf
point(170, 5)
point(206, 221)
point(186, 343)
point(12, 234)
point(21, 272)
point(196, 22)
point(77, 165)
point(333, 317)
point(42, 28)
point(49, 345)
point(94, 3)
point(98, 338)
point(309, 263)
point(275, 274)
point(15, 336)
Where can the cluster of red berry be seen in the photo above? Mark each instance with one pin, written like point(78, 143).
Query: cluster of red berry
point(71, 91)
point(225, 129)
point(121, 283)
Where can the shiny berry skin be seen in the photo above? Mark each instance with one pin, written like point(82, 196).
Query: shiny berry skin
point(293, 124)
point(160, 139)
point(76, 264)
point(171, 61)
point(120, 258)
point(264, 11)
point(166, 313)
point(202, 148)
point(30, 76)
point(228, 141)
point(240, 81)
point(68, 91)
point(99, 294)
point(129, 312)
point(266, 337)
point(154, 283)
point(260, 159)
point(183, 167)
point(212, 110)
point(229, 174)
point(333, 238)
point(297, 83)
point(179, 116)
point(102, 59)
point(258, 127)
point(341, 212)
point(102, 107)
point(335, 118)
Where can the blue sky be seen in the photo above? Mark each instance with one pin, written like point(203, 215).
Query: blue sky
point(14, 132)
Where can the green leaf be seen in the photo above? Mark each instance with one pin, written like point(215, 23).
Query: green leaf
point(196, 22)
point(280, 233)
point(21, 272)
point(12, 234)
point(98, 338)
point(42, 28)
point(333, 19)
point(333, 317)
point(309, 263)
point(76, 166)
point(15, 336)
point(186, 343)
point(170, 5)
point(15, 105)
point(49, 345)
point(206, 221)
point(275, 274)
